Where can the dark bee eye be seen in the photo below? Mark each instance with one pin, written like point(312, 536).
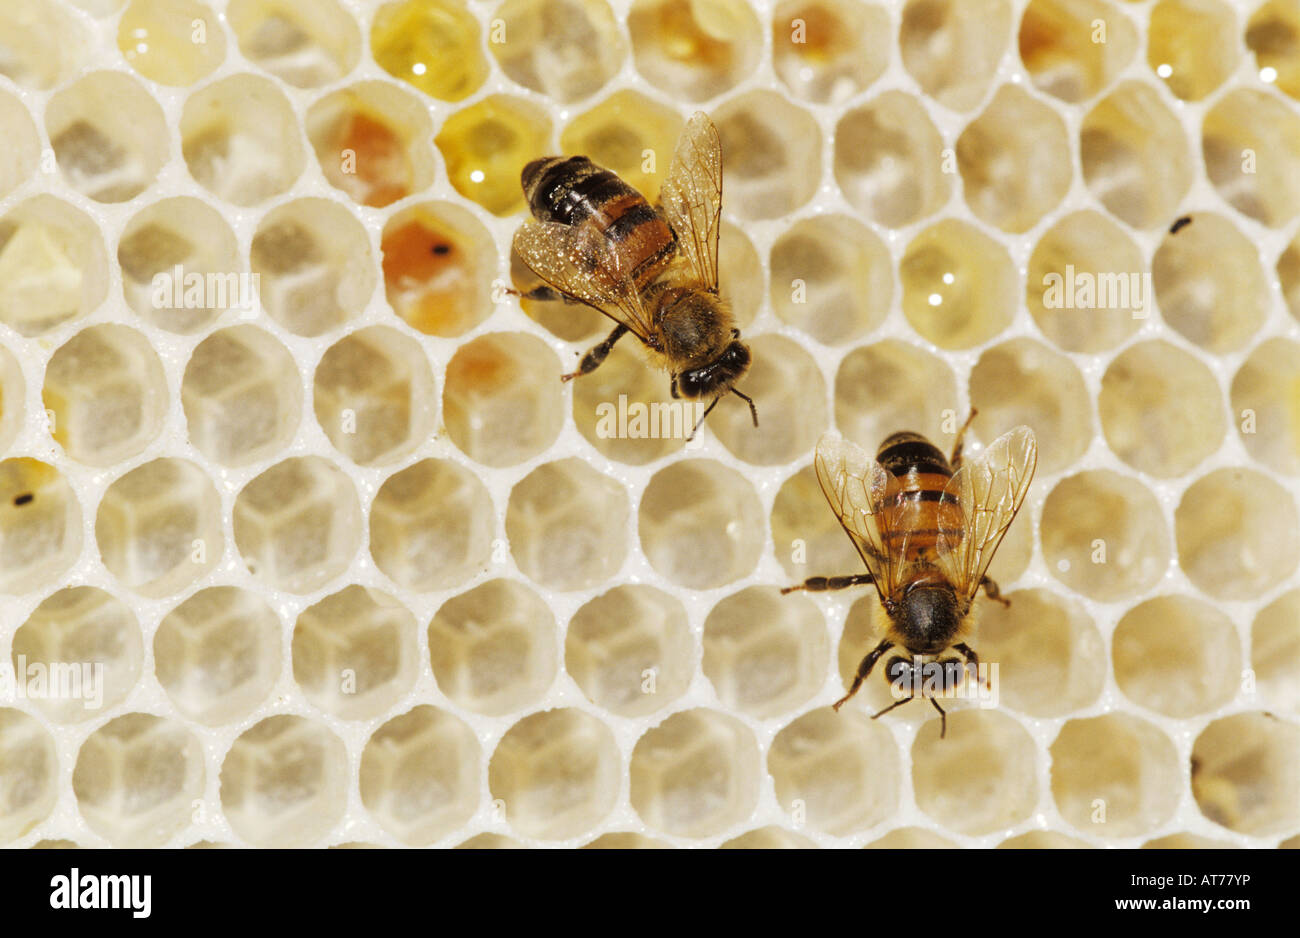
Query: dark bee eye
point(897, 669)
point(736, 355)
point(687, 385)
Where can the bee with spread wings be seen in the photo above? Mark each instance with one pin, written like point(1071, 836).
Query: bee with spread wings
point(596, 240)
point(927, 529)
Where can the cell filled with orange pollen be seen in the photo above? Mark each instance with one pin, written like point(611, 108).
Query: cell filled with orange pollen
point(437, 269)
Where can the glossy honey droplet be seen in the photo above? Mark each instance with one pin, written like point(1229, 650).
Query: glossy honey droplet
point(432, 44)
point(486, 147)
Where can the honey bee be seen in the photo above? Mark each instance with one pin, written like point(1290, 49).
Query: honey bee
point(596, 240)
point(927, 529)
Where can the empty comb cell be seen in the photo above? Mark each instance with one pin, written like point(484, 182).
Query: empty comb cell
point(41, 44)
point(493, 648)
point(567, 525)
point(181, 266)
point(284, 782)
point(1123, 761)
point(373, 395)
point(696, 774)
point(297, 525)
point(365, 636)
point(432, 526)
point(217, 654)
point(1015, 160)
point(630, 650)
point(90, 627)
point(138, 778)
point(105, 394)
point(831, 277)
point(22, 145)
point(558, 773)
point(159, 527)
point(52, 265)
point(307, 43)
point(109, 136)
point(838, 777)
point(772, 152)
point(242, 396)
point(888, 160)
point(565, 49)
point(315, 266)
point(420, 775)
point(28, 773)
point(1134, 155)
point(241, 139)
point(765, 656)
point(952, 47)
point(40, 527)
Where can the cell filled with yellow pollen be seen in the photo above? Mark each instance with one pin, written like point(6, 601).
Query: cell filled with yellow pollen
point(487, 145)
point(432, 44)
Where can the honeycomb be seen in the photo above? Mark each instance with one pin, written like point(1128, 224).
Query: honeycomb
point(294, 505)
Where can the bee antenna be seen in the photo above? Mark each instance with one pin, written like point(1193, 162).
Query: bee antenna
point(699, 423)
point(745, 397)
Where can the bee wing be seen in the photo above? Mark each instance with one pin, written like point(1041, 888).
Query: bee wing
point(691, 196)
point(581, 262)
point(988, 491)
point(863, 495)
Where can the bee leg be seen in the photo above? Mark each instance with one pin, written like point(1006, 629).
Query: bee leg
point(896, 703)
point(943, 718)
point(753, 411)
point(817, 584)
point(699, 423)
point(597, 354)
point(864, 669)
point(992, 592)
point(972, 659)
point(956, 447)
point(545, 293)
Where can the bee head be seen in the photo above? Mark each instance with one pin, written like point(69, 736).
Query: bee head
point(927, 617)
point(916, 675)
point(718, 375)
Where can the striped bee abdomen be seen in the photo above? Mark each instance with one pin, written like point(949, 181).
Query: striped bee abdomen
point(922, 471)
point(575, 191)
